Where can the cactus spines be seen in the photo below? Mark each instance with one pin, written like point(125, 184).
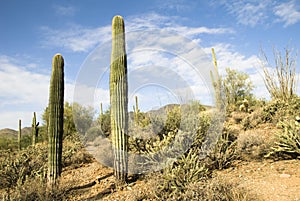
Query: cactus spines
point(19, 134)
point(35, 129)
point(55, 127)
point(119, 100)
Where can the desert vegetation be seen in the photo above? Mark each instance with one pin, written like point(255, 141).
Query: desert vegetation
point(177, 156)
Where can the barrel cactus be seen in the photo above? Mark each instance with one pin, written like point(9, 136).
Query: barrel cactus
point(119, 100)
point(56, 113)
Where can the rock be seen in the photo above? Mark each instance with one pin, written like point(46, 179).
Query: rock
point(284, 175)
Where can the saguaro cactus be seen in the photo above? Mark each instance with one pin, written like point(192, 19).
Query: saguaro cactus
point(19, 134)
point(217, 82)
point(56, 113)
point(35, 129)
point(119, 100)
point(136, 111)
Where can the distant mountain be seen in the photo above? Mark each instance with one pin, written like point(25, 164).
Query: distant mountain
point(11, 133)
point(8, 133)
point(169, 107)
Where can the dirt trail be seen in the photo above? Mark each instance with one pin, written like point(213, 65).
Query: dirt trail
point(276, 181)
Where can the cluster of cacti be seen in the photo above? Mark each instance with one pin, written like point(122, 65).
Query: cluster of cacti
point(244, 107)
point(56, 116)
point(19, 134)
point(119, 100)
point(35, 129)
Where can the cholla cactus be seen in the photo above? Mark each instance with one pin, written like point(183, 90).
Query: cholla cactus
point(119, 100)
point(56, 116)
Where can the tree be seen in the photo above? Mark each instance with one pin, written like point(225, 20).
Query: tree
point(74, 113)
point(237, 87)
point(83, 117)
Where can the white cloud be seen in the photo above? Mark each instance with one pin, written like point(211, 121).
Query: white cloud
point(23, 92)
point(250, 13)
point(177, 5)
point(76, 38)
point(262, 12)
point(82, 39)
point(287, 13)
point(64, 10)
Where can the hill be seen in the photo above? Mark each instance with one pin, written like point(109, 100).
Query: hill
point(11, 133)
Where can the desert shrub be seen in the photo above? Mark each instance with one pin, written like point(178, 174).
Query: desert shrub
point(8, 143)
point(34, 189)
point(287, 142)
point(176, 178)
point(93, 133)
point(252, 120)
point(17, 166)
point(104, 122)
point(278, 110)
point(73, 152)
point(253, 145)
point(101, 149)
point(185, 119)
point(215, 189)
point(224, 152)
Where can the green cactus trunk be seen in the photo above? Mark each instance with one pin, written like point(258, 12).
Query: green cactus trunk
point(55, 127)
point(119, 100)
point(35, 129)
point(19, 134)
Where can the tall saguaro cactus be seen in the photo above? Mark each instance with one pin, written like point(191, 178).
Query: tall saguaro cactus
point(56, 113)
point(119, 100)
point(19, 134)
point(136, 111)
point(35, 129)
point(217, 82)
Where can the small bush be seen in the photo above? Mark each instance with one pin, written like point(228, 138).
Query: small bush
point(253, 145)
point(224, 152)
point(278, 110)
point(177, 177)
point(215, 189)
point(252, 120)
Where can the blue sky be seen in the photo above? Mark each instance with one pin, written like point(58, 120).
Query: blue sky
point(33, 31)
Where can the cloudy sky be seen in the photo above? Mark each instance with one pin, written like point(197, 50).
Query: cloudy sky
point(168, 43)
